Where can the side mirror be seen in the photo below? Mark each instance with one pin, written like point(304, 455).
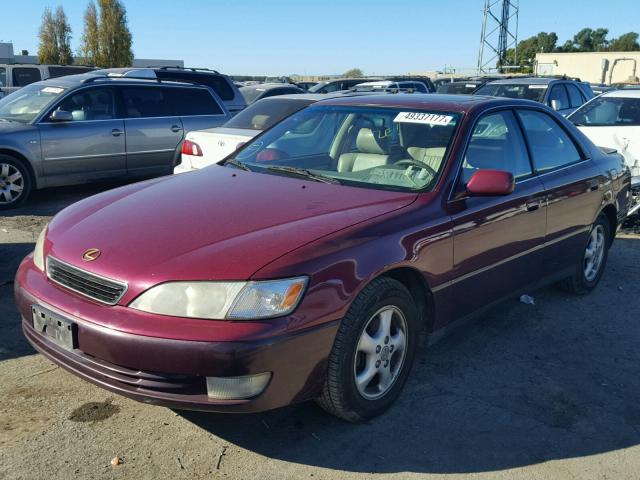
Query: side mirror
point(488, 183)
point(61, 116)
point(555, 104)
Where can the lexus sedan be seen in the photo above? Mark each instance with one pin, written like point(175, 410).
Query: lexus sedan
point(282, 276)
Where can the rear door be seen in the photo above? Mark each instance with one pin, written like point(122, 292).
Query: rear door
point(573, 190)
point(153, 131)
point(91, 146)
point(497, 240)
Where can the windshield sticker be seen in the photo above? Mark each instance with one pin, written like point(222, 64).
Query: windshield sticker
point(54, 90)
point(424, 118)
point(541, 87)
point(470, 85)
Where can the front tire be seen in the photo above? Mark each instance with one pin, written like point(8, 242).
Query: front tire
point(15, 182)
point(590, 268)
point(372, 353)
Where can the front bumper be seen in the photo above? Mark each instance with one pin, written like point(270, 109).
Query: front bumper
point(172, 372)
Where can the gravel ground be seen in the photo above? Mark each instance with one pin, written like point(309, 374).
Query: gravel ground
point(542, 391)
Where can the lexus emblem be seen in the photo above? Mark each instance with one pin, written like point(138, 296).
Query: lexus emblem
point(91, 255)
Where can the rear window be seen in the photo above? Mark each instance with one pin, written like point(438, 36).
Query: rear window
point(55, 72)
point(265, 113)
point(609, 112)
point(526, 92)
point(145, 102)
point(218, 83)
point(457, 88)
point(25, 76)
point(192, 101)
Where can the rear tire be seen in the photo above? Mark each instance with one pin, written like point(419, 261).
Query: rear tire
point(590, 268)
point(372, 353)
point(15, 182)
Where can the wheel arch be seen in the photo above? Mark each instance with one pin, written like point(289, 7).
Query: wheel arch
point(25, 160)
point(611, 213)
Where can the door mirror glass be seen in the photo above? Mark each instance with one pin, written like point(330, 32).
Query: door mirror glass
point(487, 183)
point(61, 116)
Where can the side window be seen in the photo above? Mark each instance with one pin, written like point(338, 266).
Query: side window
point(330, 87)
point(145, 102)
point(575, 97)
point(497, 144)
point(550, 146)
point(23, 76)
point(192, 101)
point(558, 99)
point(419, 87)
point(3, 77)
point(90, 104)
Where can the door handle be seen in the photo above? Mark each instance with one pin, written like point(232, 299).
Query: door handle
point(176, 128)
point(116, 132)
point(533, 206)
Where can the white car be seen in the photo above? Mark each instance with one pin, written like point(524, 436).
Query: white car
point(202, 148)
point(613, 120)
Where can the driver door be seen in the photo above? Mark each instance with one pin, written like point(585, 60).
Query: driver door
point(89, 147)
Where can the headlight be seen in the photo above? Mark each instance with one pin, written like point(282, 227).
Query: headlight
point(223, 300)
point(38, 251)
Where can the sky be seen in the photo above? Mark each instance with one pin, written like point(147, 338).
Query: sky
point(320, 37)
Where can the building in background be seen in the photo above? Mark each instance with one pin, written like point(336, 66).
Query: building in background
point(594, 67)
point(7, 55)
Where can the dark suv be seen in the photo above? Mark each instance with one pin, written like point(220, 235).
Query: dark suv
point(219, 83)
point(90, 127)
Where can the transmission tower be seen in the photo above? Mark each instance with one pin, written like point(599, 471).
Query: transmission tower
point(499, 33)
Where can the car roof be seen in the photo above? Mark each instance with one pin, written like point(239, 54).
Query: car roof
point(266, 86)
point(423, 101)
point(527, 81)
point(624, 93)
point(71, 81)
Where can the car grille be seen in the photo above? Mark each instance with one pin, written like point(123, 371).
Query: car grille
point(88, 284)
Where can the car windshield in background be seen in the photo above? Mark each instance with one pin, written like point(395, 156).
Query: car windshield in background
point(457, 88)
point(26, 104)
point(609, 112)
point(251, 93)
point(384, 148)
point(533, 92)
point(265, 113)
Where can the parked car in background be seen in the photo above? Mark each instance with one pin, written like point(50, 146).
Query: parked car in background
point(283, 275)
point(460, 87)
point(253, 93)
point(90, 127)
point(418, 87)
point(222, 85)
point(337, 84)
point(563, 95)
point(612, 120)
point(306, 85)
point(202, 148)
point(598, 88)
point(14, 76)
point(410, 78)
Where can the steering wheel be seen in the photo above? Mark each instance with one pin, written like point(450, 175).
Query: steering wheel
point(418, 163)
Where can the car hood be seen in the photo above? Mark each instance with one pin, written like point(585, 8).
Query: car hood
point(215, 224)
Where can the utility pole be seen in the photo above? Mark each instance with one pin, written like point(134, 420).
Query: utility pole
point(499, 33)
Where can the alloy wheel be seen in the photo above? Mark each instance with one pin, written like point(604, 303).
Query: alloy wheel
point(380, 353)
point(11, 183)
point(594, 253)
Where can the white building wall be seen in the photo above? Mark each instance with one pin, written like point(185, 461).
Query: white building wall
point(595, 67)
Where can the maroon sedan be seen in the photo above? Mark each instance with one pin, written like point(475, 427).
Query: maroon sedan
point(312, 262)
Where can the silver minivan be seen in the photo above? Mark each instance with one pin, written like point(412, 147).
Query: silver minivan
point(89, 127)
point(14, 76)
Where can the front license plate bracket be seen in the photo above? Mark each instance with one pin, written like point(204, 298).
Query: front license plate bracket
point(55, 328)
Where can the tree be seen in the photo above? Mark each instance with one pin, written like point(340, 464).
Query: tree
point(627, 42)
point(63, 37)
point(587, 40)
point(90, 47)
point(114, 36)
point(527, 49)
point(353, 73)
point(48, 51)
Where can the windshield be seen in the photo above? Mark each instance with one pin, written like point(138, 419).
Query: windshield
point(528, 92)
point(265, 113)
point(26, 104)
point(384, 148)
point(458, 88)
point(251, 93)
point(609, 112)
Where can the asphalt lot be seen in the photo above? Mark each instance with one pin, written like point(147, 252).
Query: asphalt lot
point(543, 391)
